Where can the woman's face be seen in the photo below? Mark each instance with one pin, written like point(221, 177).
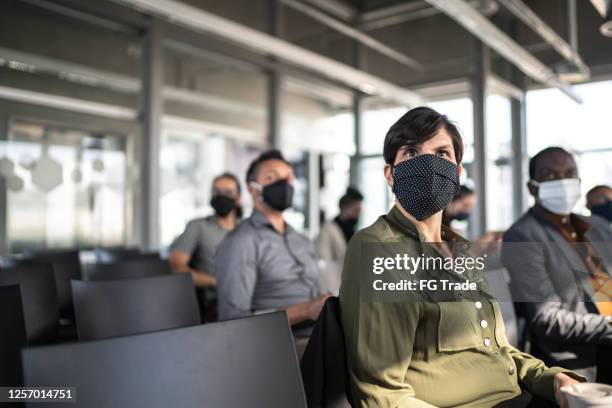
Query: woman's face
point(441, 145)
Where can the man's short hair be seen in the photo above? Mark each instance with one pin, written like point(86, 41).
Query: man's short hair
point(351, 196)
point(416, 127)
point(595, 189)
point(533, 162)
point(251, 174)
point(227, 175)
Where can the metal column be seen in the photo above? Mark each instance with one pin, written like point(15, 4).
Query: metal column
point(274, 80)
point(152, 111)
point(3, 193)
point(519, 153)
point(481, 58)
point(354, 172)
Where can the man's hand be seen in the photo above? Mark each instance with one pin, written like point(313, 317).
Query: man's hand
point(562, 380)
point(306, 311)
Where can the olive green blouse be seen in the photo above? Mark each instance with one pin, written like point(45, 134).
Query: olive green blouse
point(428, 353)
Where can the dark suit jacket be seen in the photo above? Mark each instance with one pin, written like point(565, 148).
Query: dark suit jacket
point(550, 277)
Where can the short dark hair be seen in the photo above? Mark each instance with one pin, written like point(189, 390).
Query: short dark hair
point(533, 162)
point(596, 189)
point(351, 196)
point(417, 126)
point(263, 157)
point(464, 191)
point(227, 175)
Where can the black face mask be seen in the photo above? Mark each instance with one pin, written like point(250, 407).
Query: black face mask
point(425, 184)
point(222, 205)
point(462, 216)
point(278, 195)
point(347, 225)
point(603, 210)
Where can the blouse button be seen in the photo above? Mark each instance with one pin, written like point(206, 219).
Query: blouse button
point(484, 324)
point(487, 342)
point(478, 305)
point(510, 370)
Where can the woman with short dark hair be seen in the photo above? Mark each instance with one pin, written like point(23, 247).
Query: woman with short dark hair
point(428, 346)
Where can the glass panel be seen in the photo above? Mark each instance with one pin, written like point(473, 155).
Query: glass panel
point(499, 165)
point(65, 187)
point(335, 181)
point(376, 198)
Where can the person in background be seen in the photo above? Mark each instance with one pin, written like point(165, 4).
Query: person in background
point(264, 264)
point(460, 208)
point(599, 201)
point(560, 265)
point(194, 250)
point(434, 348)
point(335, 235)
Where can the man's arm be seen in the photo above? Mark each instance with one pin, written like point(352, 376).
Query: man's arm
point(179, 263)
point(531, 283)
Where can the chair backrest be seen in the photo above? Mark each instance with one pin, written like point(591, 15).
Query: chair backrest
point(499, 282)
point(66, 267)
point(39, 299)
point(248, 362)
point(114, 254)
point(13, 337)
point(130, 306)
point(323, 365)
point(128, 269)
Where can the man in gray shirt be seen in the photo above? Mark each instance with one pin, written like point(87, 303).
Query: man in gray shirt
point(194, 250)
point(264, 264)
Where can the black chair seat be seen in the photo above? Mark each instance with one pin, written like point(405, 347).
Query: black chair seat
point(241, 363)
point(13, 337)
point(128, 269)
point(129, 306)
point(39, 300)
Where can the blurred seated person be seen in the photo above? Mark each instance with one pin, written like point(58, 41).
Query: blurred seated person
point(599, 201)
point(334, 236)
point(264, 264)
point(434, 347)
point(460, 209)
point(560, 265)
point(194, 250)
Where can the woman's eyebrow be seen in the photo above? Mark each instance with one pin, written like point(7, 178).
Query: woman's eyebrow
point(444, 146)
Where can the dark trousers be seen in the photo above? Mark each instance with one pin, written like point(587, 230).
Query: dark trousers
point(604, 365)
point(526, 400)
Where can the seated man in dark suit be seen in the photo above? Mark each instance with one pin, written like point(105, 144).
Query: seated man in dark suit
point(560, 265)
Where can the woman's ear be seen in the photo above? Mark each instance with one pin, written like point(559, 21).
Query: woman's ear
point(460, 168)
point(389, 174)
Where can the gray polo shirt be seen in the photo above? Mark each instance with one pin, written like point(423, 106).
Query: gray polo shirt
point(200, 240)
point(259, 269)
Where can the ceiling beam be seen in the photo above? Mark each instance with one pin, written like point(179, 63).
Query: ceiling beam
point(357, 35)
point(533, 21)
point(482, 28)
point(196, 19)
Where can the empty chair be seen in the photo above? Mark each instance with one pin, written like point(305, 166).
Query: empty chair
point(129, 306)
point(13, 337)
point(66, 266)
point(247, 362)
point(114, 254)
point(39, 300)
point(128, 269)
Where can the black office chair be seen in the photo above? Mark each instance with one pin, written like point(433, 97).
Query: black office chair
point(141, 267)
point(66, 266)
point(114, 254)
point(13, 337)
point(323, 365)
point(247, 362)
point(129, 306)
point(39, 300)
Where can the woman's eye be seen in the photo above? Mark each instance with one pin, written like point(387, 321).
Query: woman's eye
point(411, 152)
point(443, 153)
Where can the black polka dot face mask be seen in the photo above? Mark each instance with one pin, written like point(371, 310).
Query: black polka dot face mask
point(425, 184)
